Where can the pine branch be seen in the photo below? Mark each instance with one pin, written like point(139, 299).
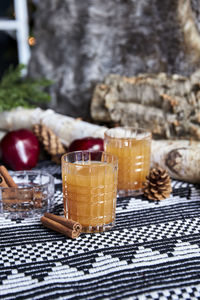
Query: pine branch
point(18, 91)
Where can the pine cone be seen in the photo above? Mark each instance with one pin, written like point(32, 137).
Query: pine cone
point(50, 141)
point(158, 185)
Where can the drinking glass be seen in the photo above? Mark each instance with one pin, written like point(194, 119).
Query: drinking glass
point(132, 146)
point(33, 196)
point(90, 189)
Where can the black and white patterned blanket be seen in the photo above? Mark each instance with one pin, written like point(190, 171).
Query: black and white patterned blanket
point(153, 252)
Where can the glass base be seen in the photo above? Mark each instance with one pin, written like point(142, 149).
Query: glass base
point(24, 214)
point(124, 193)
point(98, 228)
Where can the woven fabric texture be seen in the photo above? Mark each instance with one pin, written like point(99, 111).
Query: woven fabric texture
point(153, 252)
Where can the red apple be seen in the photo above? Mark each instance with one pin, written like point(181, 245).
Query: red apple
point(87, 143)
point(20, 149)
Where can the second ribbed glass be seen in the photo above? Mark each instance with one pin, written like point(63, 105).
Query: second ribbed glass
point(132, 146)
point(90, 189)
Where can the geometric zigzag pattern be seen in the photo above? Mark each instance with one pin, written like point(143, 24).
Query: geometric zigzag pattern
point(153, 252)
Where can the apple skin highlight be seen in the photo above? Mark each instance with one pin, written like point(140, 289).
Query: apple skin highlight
point(20, 149)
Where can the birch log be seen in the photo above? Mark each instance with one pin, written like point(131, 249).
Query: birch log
point(66, 128)
point(181, 158)
point(168, 105)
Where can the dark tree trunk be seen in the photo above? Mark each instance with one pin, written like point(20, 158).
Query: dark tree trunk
point(79, 42)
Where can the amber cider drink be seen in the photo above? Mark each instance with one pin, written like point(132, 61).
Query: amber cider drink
point(90, 189)
point(133, 149)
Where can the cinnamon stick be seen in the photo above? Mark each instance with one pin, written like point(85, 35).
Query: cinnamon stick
point(3, 182)
point(6, 181)
point(64, 221)
point(10, 182)
point(61, 225)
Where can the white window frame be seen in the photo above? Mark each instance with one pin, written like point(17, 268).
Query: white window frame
point(21, 27)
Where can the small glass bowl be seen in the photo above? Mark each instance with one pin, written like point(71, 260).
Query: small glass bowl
point(33, 197)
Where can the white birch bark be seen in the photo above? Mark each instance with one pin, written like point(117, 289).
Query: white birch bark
point(181, 158)
point(66, 128)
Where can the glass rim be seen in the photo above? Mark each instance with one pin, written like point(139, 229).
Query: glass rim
point(114, 157)
point(131, 128)
point(29, 172)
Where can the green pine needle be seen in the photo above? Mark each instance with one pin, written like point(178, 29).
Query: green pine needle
point(18, 91)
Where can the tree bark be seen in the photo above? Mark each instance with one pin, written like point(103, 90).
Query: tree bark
point(168, 105)
point(78, 43)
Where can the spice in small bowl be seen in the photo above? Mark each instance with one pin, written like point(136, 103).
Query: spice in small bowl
point(25, 193)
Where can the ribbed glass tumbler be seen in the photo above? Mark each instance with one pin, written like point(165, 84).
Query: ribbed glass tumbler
point(132, 146)
point(90, 189)
point(33, 196)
